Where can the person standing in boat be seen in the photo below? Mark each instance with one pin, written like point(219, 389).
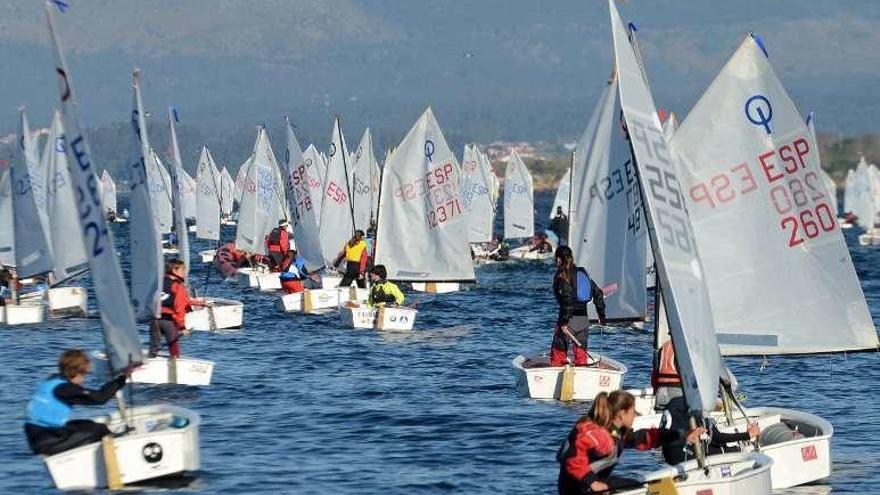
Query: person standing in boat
point(355, 254)
point(278, 245)
point(383, 292)
point(48, 427)
point(559, 226)
point(573, 290)
point(174, 304)
point(294, 275)
point(596, 442)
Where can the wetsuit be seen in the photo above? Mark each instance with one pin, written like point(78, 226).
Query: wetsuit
point(590, 453)
point(355, 264)
point(384, 292)
point(47, 427)
point(175, 304)
point(559, 226)
point(278, 245)
point(574, 314)
point(676, 450)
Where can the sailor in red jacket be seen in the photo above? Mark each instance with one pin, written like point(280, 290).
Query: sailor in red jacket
point(278, 244)
point(595, 444)
point(174, 304)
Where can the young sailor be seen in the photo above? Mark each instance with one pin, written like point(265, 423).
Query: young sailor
point(541, 244)
point(595, 444)
point(294, 275)
point(383, 292)
point(175, 303)
point(278, 245)
point(559, 226)
point(48, 428)
point(355, 254)
point(500, 249)
point(664, 376)
point(573, 322)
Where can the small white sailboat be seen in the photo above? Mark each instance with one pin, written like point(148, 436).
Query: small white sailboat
point(479, 195)
point(681, 283)
point(337, 212)
point(383, 318)
point(435, 251)
point(537, 379)
point(108, 196)
point(364, 197)
point(154, 441)
point(227, 200)
point(519, 208)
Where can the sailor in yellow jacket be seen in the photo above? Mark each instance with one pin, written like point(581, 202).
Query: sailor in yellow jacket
point(383, 292)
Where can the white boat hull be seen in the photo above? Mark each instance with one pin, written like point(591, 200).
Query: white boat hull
point(222, 313)
point(258, 278)
point(796, 461)
point(68, 301)
point(538, 380)
point(180, 371)
point(728, 474)
point(523, 253)
point(320, 301)
point(330, 281)
point(208, 255)
point(436, 287)
point(364, 317)
point(26, 313)
point(160, 445)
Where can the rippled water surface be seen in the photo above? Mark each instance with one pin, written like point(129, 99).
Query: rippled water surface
point(305, 405)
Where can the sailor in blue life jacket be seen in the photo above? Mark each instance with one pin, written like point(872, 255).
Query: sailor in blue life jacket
point(48, 428)
point(573, 290)
point(295, 277)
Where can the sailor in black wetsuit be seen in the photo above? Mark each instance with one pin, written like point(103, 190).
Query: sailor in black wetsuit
point(47, 427)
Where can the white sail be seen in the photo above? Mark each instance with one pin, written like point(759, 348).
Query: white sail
point(477, 190)
point(827, 181)
point(120, 333)
point(36, 171)
point(32, 253)
point(849, 187)
point(337, 224)
point(779, 273)
point(678, 264)
point(362, 193)
point(608, 234)
point(315, 163)
point(7, 228)
point(300, 176)
point(862, 196)
point(178, 183)
point(210, 191)
point(108, 190)
point(188, 187)
point(227, 192)
point(240, 179)
point(262, 206)
point(160, 192)
point(670, 126)
point(69, 258)
point(563, 191)
point(145, 244)
point(421, 198)
point(519, 201)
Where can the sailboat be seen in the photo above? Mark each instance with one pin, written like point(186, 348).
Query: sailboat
point(313, 161)
point(147, 265)
point(479, 197)
point(519, 208)
point(108, 197)
point(362, 194)
point(435, 248)
point(260, 210)
point(156, 440)
point(682, 284)
point(227, 191)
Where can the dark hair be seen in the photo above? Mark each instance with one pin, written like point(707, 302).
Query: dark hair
point(380, 271)
point(72, 362)
point(282, 222)
point(606, 406)
point(173, 264)
point(565, 268)
point(359, 232)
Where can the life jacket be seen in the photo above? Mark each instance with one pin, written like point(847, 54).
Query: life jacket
point(293, 269)
point(579, 463)
point(379, 296)
point(275, 240)
point(172, 288)
point(583, 285)
point(353, 253)
point(45, 409)
point(665, 373)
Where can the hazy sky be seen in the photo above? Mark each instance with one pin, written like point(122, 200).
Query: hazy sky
point(493, 68)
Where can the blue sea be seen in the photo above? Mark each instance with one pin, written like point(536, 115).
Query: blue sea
point(302, 404)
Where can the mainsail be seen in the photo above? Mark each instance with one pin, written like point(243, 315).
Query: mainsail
point(337, 222)
point(362, 192)
point(478, 194)
point(210, 191)
point(32, 253)
point(606, 230)
point(678, 264)
point(108, 189)
point(563, 191)
point(779, 274)
point(69, 258)
point(7, 232)
point(227, 192)
point(519, 201)
point(177, 194)
point(300, 175)
point(420, 193)
point(313, 161)
point(262, 205)
point(120, 332)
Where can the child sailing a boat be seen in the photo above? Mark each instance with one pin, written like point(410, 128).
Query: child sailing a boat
point(175, 303)
point(573, 290)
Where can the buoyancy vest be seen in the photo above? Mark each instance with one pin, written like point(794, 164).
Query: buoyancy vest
point(579, 462)
point(294, 269)
point(353, 253)
point(172, 288)
point(583, 285)
point(665, 372)
point(378, 294)
point(275, 240)
point(45, 409)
